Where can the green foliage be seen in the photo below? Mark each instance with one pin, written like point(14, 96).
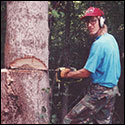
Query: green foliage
point(55, 14)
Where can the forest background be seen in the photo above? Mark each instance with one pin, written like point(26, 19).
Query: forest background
point(69, 45)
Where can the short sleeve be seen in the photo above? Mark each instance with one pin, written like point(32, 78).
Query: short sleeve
point(95, 57)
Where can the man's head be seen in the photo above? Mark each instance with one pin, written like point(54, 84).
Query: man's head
point(94, 20)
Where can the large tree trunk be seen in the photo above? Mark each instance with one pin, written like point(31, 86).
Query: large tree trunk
point(24, 97)
point(25, 82)
point(27, 32)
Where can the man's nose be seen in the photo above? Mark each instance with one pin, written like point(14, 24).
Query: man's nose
point(89, 24)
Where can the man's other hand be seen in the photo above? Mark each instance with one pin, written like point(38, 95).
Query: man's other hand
point(64, 72)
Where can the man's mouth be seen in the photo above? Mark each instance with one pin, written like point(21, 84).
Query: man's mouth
point(90, 30)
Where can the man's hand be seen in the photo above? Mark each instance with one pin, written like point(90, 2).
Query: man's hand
point(64, 72)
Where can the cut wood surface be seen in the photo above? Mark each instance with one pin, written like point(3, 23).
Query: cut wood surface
point(28, 63)
point(24, 97)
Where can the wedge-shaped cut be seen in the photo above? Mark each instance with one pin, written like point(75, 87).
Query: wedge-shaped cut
point(28, 63)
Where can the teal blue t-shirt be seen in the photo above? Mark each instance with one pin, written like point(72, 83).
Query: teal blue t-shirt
point(104, 61)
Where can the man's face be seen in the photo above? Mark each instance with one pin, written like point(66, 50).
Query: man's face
point(92, 24)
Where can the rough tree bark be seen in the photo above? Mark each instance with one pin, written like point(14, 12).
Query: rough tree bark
point(27, 32)
point(25, 86)
point(24, 97)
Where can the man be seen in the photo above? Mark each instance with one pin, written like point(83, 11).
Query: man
point(103, 66)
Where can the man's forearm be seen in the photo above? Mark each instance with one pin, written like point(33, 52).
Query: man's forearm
point(82, 73)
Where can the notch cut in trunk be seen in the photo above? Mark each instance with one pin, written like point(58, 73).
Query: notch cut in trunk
point(28, 63)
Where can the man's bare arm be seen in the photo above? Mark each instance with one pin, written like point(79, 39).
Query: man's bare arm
point(82, 73)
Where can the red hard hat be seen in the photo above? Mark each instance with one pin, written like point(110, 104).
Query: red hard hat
point(92, 11)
